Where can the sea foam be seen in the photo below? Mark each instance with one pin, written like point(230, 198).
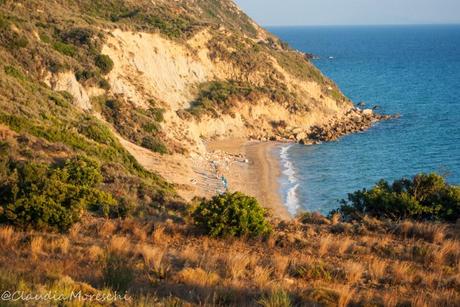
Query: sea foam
point(290, 183)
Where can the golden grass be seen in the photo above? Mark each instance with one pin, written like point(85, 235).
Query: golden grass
point(95, 253)
point(402, 272)
point(324, 245)
point(106, 229)
point(430, 232)
point(119, 245)
point(280, 264)
point(354, 271)
point(158, 235)
point(75, 230)
point(7, 236)
point(237, 264)
point(198, 277)
point(262, 276)
point(377, 268)
point(390, 299)
point(36, 247)
point(60, 245)
point(345, 295)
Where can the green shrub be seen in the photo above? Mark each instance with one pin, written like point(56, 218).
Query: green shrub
point(218, 96)
point(40, 196)
point(425, 197)
point(154, 144)
point(14, 72)
point(231, 214)
point(105, 63)
point(78, 36)
point(65, 49)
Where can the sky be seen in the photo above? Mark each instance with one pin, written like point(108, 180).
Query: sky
point(351, 12)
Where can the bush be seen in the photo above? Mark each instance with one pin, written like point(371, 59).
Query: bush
point(231, 214)
point(425, 197)
point(105, 63)
point(65, 49)
point(40, 196)
point(154, 144)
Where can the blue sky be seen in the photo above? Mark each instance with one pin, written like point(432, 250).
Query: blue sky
point(352, 12)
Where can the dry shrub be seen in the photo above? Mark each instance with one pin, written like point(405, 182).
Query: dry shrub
point(237, 264)
point(95, 253)
point(377, 268)
point(345, 295)
point(139, 233)
point(61, 245)
point(449, 252)
point(106, 229)
point(354, 271)
point(36, 247)
point(190, 255)
point(119, 245)
point(198, 277)
point(75, 231)
point(342, 245)
point(325, 243)
point(336, 218)
point(402, 272)
point(153, 256)
point(158, 235)
point(7, 236)
point(280, 264)
point(261, 276)
point(390, 299)
point(420, 300)
point(430, 232)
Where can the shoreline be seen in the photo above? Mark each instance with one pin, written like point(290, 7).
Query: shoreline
point(252, 167)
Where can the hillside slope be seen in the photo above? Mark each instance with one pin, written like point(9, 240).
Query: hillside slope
point(156, 80)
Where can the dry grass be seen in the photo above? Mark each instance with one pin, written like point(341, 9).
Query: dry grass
point(75, 231)
point(430, 232)
point(7, 236)
point(95, 253)
point(280, 264)
point(198, 277)
point(354, 271)
point(390, 299)
point(402, 272)
point(342, 245)
point(106, 229)
point(325, 244)
point(448, 253)
point(261, 276)
point(377, 268)
point(36, 247)
point(237, 264)
point(60, 245)
point(345, 295)
point(120, 245)
point(158, 235)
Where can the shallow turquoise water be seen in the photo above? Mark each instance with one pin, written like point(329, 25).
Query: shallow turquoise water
point(411, 70)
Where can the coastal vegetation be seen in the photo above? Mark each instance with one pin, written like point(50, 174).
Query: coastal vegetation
point(232, 214)
point(425, 197)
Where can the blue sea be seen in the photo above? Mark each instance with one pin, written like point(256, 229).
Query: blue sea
point(410, 70)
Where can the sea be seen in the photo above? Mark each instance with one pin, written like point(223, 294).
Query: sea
point(413, 71)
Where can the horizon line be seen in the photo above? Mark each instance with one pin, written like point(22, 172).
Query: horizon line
point(364, 25)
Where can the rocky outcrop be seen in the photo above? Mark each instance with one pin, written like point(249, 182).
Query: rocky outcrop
point(355, 120)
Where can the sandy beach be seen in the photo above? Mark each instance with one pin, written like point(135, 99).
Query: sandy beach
point(252, 168)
